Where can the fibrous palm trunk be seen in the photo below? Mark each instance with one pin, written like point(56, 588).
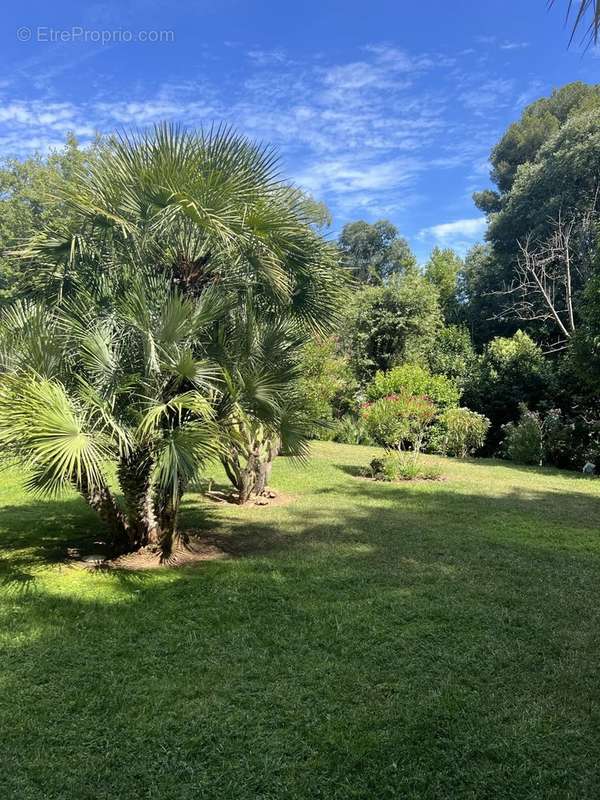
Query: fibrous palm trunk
point(101, 500)
point(151, 515)
point(134, 479)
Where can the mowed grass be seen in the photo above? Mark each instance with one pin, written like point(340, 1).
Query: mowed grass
point(421, 640)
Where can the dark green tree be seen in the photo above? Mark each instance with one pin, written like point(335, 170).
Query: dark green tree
point(392, 324)
point(30, 198)
point(375, 252)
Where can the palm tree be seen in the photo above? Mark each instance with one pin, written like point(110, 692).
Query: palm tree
point(85, 389)
point(260, 409)
point(172, 234)
point(207, 209)
point(585, 14)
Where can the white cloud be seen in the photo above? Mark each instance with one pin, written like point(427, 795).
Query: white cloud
point(346, 175)
point(513, 45)
point(488, 95)
point(267, 57)
point(359, 133)
point(460, 234)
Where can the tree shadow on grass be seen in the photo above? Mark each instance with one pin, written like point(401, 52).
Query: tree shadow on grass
point(398, 627)
point(376, 521)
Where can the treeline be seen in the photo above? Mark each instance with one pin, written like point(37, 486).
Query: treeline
point(515, 325)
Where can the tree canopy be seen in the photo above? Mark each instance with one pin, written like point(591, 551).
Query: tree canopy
point(375, 252)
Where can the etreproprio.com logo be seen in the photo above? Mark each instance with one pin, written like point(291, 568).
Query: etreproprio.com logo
point(80, 34)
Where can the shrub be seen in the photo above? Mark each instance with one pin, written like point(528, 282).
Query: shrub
point(523, 439)
point(397, 467)
point(412, 379)
point(327, 385)
point(399, 421)
point(462, 432)
point(349, 430)
point(390, 324)
point(511, 372)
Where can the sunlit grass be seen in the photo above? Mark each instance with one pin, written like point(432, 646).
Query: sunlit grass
point(420, 640)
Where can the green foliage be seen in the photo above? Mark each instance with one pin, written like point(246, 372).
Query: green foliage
point(177, 292)
point(539, 123)
point(453, 356)
point(414, 380)
point(443, 271)
point(399, 421)
point(546, 168)
point(511, 372)
point(483, 277)
point(30, 198)
point(523, 440)
point(348, 430)
point(461, 432)
point(204, 208)
point(326, 385)
point(375, 252)
point(392, 324)
point(570, 441)
point(394, 466)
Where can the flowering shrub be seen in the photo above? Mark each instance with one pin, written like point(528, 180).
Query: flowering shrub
point(411, 379)
point(399, 421)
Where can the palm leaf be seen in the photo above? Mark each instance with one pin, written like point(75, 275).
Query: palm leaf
point(40, 425)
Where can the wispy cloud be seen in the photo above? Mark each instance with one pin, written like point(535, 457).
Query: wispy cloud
point(488, 95)
point(514, 45)
point(459, 234)
point(365, 133)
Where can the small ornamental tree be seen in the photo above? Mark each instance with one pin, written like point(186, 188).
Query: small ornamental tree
point(462, 431)
point(399, 421)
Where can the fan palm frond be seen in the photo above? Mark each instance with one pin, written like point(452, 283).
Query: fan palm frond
point(40, 425)
point(585, 17)
point(180, 454)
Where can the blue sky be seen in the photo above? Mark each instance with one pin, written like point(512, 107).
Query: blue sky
point(380, 108)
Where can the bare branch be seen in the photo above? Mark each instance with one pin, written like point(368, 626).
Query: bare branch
point(549, 271)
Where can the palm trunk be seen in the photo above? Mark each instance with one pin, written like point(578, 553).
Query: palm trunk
point(251, 478)
point(246, 482)
point(101, 500)
point(264, 468)
point(164, 535)
point(242, 477)
point(134, 478)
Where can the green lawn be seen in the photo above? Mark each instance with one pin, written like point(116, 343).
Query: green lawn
point(426, 640)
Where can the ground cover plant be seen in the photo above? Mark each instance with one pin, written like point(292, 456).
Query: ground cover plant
point(364, 640)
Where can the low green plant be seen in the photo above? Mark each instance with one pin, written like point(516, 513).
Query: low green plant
point(350, 430)
point(393, 466)
point(523, 440)
point(461, 432)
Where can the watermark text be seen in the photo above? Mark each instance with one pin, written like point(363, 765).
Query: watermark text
point(78, 33)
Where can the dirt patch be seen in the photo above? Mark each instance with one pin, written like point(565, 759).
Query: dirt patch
point(262, 501)
point(396, 481)
point(190, 552)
